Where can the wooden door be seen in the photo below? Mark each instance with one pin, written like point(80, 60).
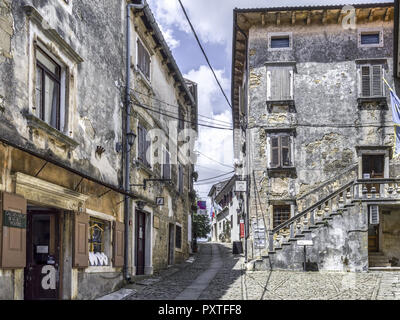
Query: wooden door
point(42, 268)
point(140, 241)
point(171, 244)
point(373, 238)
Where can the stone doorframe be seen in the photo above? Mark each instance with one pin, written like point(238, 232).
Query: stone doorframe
point(386, 151)
point(148, 250)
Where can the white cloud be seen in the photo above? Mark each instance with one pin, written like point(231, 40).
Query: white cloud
point(169, 37)
point(214, 143)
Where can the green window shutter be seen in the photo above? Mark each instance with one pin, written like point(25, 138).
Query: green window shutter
point(377, 81)
point(275, 154)
point(285, 149)
point(275, 84)
point(365, 81)
point(285, 83)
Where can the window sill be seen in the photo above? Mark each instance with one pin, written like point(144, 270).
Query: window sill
point(289, 171)
point(100, 269)
point(141, 166)
point(290, 103)
point(379, 101)
point(36, 123)
point(143, 78)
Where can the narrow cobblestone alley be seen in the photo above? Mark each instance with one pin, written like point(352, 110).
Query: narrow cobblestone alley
point(217, 274)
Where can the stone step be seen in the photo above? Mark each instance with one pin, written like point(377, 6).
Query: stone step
point(371, 254)
point(380, 264)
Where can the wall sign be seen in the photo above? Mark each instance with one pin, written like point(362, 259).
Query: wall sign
point(305, 242)
point(160, 201)
point(14, 219)
point(240, 186)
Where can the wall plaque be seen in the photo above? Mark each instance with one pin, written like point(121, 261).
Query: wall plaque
point(14, 219)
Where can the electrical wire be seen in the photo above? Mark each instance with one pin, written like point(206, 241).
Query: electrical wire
point(211, 169)
point(212, 178)
point(145, 106)
point(177, 107)
point(223, 164)
point(204, 53)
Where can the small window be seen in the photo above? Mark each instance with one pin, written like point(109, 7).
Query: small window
point(178, 237)
point(280, 42)
point(371, 80)
point(281, 214)
point(280, 151)
point(48, 89)
point(181, 121)
point(143, 60)
point(370, 38)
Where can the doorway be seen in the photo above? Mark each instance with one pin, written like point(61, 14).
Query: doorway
point(140, 241)
point(373, 168)
point(41, 273)
point(171, 244)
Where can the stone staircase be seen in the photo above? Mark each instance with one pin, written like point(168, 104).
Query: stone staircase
point(378, 259)
point(338, 227)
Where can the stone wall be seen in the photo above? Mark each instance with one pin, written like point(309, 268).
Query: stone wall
point(328, 123)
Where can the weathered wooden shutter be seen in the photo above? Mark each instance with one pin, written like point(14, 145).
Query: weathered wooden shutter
point(81, 240)
point(285, 149)
point(285, 84)
point(275, 85)
point(275, 154)
point(166, 167)
point(140, 143)
point(180, 172)
point(147, 149)
point(374, 214)
point(377, 81)
point(12, 231)
point(118, 244)
point(365, 81)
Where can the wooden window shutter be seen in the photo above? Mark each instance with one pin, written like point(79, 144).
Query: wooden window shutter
point(166, 169)
point(285, 149)
point(374, 214)
point(140, 143)
point(377, 81)
point(118, 244)
point(147, 149)
point(81, 241)
point(365, 81)
point(13, 222)
point(275, 154)
point(275, 84)
point(285, 84)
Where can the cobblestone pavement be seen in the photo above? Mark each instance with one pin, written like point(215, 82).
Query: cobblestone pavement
point(232, 283)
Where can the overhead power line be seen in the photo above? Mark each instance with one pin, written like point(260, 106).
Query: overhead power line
point(145, 106)
point(177, 107)
point(222, 164)
point(204, 53)
point(212, 178)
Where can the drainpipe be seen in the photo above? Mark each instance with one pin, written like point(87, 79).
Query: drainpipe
point(246, 218)
point(127, 148)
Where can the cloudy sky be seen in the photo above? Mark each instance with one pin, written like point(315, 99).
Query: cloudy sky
point(212, 20)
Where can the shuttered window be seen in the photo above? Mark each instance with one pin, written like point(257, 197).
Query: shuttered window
point(280, 84)
point(178, 237)
point(371, 81)
point(180, 178)
point(143, 60)
point(280, 151)
point(118, 244)
point(81, 244)
point(143, 146)
point(181, 117)
point(166, 166)
point(280, 42)
point(374, 214)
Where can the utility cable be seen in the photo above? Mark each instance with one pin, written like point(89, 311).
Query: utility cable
point(204, 53)
point(223, 164)
point(142, 105)
point(212, 178)
point(177, 107)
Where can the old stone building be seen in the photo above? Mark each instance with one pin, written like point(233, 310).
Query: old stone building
point(225, 225)
point(69, 229)
point(314, 135)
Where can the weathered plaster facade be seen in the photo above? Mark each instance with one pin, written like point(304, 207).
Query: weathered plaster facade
point(323, 118)
point(76, 169)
